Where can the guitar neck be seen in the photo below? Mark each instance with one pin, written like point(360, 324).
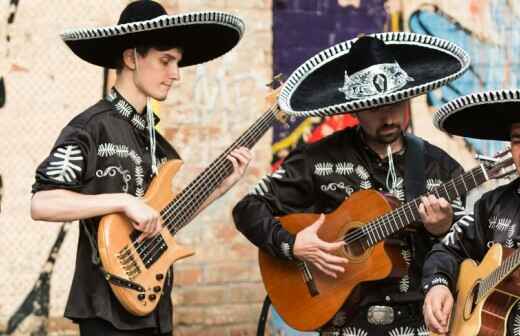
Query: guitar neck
point(388, 224)
point(490, 282)
point(186, 204)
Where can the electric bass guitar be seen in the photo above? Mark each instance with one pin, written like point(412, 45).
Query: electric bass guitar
point(486, 294)
point(136, 271)
point(305, 297)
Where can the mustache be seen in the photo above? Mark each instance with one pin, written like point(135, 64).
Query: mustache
point(388, 127)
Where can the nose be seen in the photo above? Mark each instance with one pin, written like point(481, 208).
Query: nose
point(174, 72)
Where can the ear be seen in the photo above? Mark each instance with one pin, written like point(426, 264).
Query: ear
point(128, 59)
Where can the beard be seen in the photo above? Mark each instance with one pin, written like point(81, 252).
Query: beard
point(387, 134)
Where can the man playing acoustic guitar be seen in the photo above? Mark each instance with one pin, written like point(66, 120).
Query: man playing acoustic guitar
point(495, 216)
point(106, 157)
point(374, 79)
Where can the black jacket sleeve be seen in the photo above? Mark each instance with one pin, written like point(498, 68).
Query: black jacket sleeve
point(466, 239)
point(290, 189)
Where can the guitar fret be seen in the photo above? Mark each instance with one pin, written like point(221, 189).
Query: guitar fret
point(464, 183)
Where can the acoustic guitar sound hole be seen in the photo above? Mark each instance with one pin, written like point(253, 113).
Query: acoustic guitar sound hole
point(354, 246)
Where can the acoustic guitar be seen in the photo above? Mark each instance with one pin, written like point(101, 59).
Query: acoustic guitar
point(136, 271)
point(305, 297)
point(486, 293)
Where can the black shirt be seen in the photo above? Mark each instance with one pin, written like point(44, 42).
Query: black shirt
point(105, 149)
point(495, 219)
point(318, 177)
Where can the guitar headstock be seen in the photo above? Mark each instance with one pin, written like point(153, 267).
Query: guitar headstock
point(501, 165)
point(272, 98)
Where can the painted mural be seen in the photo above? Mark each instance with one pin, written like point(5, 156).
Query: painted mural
point(493, 45)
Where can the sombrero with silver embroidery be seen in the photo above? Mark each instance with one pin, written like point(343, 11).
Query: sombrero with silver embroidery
point(371, 71)
point(202, 36)
point(483, 115)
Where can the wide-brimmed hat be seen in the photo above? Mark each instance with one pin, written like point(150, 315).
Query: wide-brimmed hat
point(371, 71)
point(202, 36)
point(483, 115)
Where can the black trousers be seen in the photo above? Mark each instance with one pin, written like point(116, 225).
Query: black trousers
point(408, 321)
point(99, 327)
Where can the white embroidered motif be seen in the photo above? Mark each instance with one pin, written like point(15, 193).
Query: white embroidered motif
point(323, 168)
point(402, 331)
point(449, 239)
point(353, 331)
point(344, 168)
point(404, 284)
point(138, 122)
point(362, 172)
point(439, 281)
point(516, 323)
point(262, 186)
point(63, 164)
point(398, 191)
point(423, 331)
point(432, 183)
point(112, 171)
point(108, 149)
point(500, 224)
point(124, 108)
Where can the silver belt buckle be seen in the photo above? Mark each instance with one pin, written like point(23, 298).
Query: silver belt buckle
point(380, 315)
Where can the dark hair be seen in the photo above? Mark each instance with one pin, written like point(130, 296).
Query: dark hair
point(143, 50)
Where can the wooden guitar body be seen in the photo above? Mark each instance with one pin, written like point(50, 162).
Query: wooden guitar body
point(488, 317)
point(284, 280)
point(121, 258)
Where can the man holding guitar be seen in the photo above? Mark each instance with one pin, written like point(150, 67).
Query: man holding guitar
point(106, 157)
point(495, 216)
point(372, 78)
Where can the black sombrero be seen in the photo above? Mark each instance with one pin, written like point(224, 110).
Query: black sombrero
point(483, 115)
point(202, 36)
point(371, 71)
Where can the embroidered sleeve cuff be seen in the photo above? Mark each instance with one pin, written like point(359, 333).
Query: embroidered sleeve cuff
point(438, 279)
point(286, 246)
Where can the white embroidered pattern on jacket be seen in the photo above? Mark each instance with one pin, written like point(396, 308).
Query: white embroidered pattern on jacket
point(402, 331)
point(516, 322)
point(500, 224)
point(108, 149)
point(111, 171)
point(323, 168)
point(439, 281)
point(333, 186)
point(286, 250)
point(423, 331)
point(363, 174)
point(63, 164)
point(456, 228)
point(124, 108)
point(398, 191)
point(138, 122)
point(344, 168)
point(404, 282)
point(262, 186)
point(353, 331)
point(432, 183)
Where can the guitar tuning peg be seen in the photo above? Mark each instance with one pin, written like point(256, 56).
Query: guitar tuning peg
point(485, 158)
point(276, 82)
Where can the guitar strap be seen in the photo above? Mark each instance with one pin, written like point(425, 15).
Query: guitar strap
point(414, 167)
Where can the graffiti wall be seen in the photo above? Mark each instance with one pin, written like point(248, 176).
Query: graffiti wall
point(488, 31)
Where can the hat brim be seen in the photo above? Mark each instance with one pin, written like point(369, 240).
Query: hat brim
point(202, 37)
point(484, 115)
point(313, 88)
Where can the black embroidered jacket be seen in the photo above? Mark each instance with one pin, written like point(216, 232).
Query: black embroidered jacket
point(318, 177)
point(495, 219)
point(105, 149)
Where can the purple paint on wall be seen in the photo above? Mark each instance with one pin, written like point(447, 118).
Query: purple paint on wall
point(301, 28)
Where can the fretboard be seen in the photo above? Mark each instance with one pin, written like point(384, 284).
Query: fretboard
point(384, 226)
point(499, 274)
point(184, 207)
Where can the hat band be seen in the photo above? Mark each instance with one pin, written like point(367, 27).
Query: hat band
point(375, 80)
